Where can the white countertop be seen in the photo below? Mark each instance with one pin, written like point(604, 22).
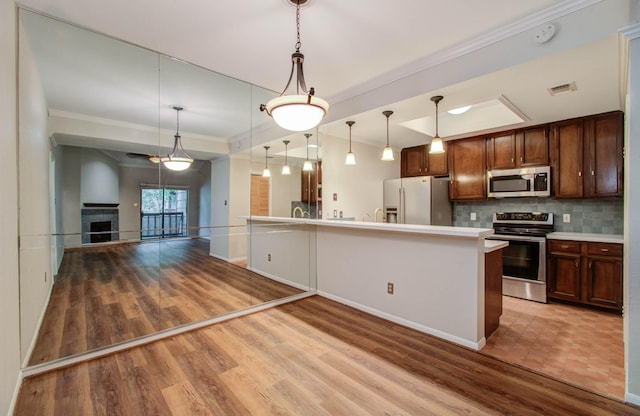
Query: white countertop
point(383, 226)
point(493, 245)
point(596, 238)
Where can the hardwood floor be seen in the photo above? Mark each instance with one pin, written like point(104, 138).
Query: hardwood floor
point(113, 293)
point(309, 357)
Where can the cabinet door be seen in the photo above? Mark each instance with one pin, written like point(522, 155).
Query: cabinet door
point(437, 164)
point(564, 276)
point(412, 161)
point(532, 147)
point(567, 158)
point(604, 141)
point(604, 281)
point(467, 167)
point(310, 186)
point(501, 151)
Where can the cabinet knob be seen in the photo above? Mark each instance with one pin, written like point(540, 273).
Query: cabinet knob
point(577, 263)
point(579, 173)
point(592, 173)
point(521, 159)
point(511, 160)
point(604, 249)
point(590, 263)
point(565, 247)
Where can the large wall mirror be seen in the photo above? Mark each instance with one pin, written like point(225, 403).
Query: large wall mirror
point(115, 246)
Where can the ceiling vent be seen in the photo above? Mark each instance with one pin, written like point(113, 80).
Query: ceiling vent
point(560, 89)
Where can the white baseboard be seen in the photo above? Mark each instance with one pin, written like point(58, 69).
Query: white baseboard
point(16, 392)
point(632, 399)
point(280, 279)
point(476, 346)
point(32, 344)
point(228, 260)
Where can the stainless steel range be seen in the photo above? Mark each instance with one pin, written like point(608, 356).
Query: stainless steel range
point(524, 271)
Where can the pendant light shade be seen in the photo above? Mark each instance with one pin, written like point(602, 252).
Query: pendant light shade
point(178, 159)
point(285, 168)
point(307, 166)
point(351, 158)
point(437, 146)
point(266, 173)
point(387, 153)
point(297, 112)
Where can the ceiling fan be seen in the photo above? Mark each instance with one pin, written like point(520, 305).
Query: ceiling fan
point(151, 158)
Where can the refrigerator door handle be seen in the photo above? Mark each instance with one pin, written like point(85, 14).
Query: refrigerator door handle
point(403, 206)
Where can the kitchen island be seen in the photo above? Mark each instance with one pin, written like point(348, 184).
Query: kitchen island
point(437, 273)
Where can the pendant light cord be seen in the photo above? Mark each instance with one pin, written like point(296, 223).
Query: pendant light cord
point(298, 43)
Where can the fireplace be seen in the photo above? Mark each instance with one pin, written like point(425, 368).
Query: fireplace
point(101, 219)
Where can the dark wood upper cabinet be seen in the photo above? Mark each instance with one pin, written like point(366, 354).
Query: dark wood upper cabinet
point(522, 148)
point(467, 169)
point(417, 161)
point(586, 156)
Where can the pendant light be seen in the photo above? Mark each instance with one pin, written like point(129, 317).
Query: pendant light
point(351, 158)
point(297, 112)
point(178, 159)
point(285, 169)
point(387, 153)
point(307, 166)
point(266, 173)
point(436, 144)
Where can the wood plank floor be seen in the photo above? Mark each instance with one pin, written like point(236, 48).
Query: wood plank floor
point(114, 293)
point(309, 357)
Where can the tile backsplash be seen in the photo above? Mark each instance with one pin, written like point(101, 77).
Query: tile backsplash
point(587, 215)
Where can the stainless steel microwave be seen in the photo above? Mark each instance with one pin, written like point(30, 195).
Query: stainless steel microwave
point(525, 182)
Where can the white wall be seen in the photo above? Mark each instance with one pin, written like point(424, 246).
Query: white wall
point(632, 222)
point(204, 216)
point(99, 177)
point(239, 206)
point(9, 287)
point(284, 189)
point(71, 224)
point(35, 226)
point(359, 187)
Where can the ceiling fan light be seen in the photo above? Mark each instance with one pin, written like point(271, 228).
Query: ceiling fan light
point(436, 146)
point(387, 154)
point(297, 112)
point(155, 159)
point(286, 170)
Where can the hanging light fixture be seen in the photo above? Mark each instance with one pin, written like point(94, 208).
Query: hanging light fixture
point(387, 153)
point(436, 144)
point(178, 159)
point(307, 166)
point(285, 169)
point(297, 112)
point(351, 158)
point(266, 172)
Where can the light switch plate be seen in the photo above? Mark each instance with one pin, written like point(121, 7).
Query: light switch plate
point(473, 216)
point(566, 217)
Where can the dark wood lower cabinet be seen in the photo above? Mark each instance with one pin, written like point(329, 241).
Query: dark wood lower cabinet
point(585, 272)
point(492, 291)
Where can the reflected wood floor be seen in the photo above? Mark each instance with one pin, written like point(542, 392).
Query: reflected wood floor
point(309, 357)
point(114, 293)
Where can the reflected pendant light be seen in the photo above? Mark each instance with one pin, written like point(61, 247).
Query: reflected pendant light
point(436, 144)
point(178, 159)
point(297, 112)
point(387, 153)
point(285, 169)
point(266, 173)
point(351, 158)
point(307, 166)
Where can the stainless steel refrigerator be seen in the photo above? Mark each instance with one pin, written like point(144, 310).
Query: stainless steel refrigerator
point(419, 200)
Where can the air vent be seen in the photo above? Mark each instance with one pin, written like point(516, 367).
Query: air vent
point(560, 89)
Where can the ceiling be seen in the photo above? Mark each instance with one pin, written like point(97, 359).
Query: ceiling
point(351, 48)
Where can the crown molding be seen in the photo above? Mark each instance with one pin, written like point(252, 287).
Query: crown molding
point(463, 48)
point(632, 31)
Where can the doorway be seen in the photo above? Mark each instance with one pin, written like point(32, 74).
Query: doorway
point(163, 212)
point(260, 195)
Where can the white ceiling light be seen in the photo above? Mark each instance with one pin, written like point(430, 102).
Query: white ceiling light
point(351, 158)
point(178, 159)
point(266, 172)
point(307, 166)
point(387, 153)
point(459, 110)
point(436, 144)
point(297, 112)
point(285, 168)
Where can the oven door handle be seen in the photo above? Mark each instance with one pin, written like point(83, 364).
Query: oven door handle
point(515, 238)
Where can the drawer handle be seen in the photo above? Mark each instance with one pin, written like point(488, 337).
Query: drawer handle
point(564, 246)
point(604, 249)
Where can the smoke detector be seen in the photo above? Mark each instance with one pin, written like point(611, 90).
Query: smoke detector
point(545, 33)
point(560, 89)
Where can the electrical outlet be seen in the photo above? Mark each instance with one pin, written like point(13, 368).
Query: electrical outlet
point(335, 196)
point(473, 216)
point(566, 217)
point(45, 277)
point(269, 257)
point(390, 288)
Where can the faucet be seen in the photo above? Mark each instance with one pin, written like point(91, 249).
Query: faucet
point(297, 209)
point(375, 214)
point(306, 213)
point(366, 215)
